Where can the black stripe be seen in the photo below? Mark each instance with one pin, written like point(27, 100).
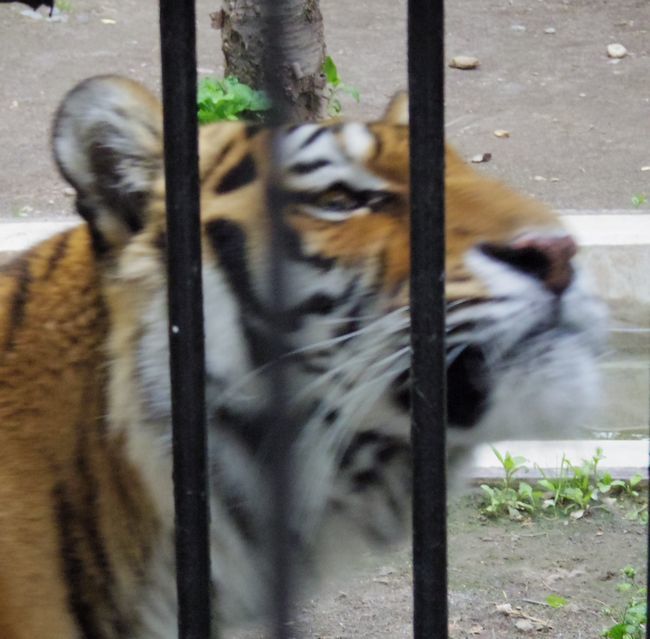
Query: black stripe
point(314, 136)
point(229, 242)
point(218, 158)
point(239, 514)
point(22, 273)
point(301, 168)
point(379, 144)
point(99, 243)
point(294, 249)
point(74, 572)
point(57, 254)
point(89, 518)
point(243, 173)
point(251, 130)
point(318, 304)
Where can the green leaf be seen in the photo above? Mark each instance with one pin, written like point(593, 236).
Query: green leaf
point(555, 601)
point(499, 456)
point(486, 489)
point(547, 484)
point(574, 494)
point(331, 72)
point(616, 632)
point(353, 92)
point(228, 99)
point(635, 479)
point(525, 489)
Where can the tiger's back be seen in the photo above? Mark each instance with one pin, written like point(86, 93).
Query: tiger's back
point(86, 511)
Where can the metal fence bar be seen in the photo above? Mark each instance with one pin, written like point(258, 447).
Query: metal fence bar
point(187, 360)
point(280, 419)
point(426, 89)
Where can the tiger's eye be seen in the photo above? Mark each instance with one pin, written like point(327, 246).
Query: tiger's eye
point(337, 201)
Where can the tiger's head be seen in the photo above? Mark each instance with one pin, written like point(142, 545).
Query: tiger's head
point(522, 332)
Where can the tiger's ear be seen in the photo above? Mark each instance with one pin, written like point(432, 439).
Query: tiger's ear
point(397, 111)
point(107, 139)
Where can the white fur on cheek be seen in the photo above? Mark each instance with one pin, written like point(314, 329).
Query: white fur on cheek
point(226, 354)
point(358, 140)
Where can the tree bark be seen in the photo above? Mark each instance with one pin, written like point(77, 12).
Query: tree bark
point(241, 23)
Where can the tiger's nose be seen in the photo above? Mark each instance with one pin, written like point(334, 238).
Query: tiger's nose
point(547, 258)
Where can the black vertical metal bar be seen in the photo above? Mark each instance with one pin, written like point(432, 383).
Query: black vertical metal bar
point(426, 90)
point(280, 418)
point(187, 360)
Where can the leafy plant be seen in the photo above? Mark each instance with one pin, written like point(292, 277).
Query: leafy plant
point(639, 200)
point(229, 99)
point(576, 487)
point(335, 88)
point(631, 621)
point(512, 497)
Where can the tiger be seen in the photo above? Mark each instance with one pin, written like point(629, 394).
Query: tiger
point(86, 507)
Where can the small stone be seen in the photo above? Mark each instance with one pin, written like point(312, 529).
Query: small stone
point(524, 625)
point(108, 21)
point(645, 168)
point(464, 62)
point(555, 179)
point(481, 157)
point(539, 178)
point(69, 191)
point(582, 95)
point(550, 30)
point(616, 51)
point(517, 27)
point(502, 133)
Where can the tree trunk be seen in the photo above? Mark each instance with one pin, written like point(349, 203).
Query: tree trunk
point(303, 81)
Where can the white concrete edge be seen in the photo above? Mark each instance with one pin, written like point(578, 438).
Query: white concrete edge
point(18, 236)
point(604, 227)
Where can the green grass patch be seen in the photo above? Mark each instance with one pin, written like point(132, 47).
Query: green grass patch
point(572, 491)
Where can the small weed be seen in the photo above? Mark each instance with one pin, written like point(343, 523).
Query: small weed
point(629, 622)
point(64, 6)
point(639, 200)
point(229, 99)
point(555, 601)
point(512, 497)
point(336, 88)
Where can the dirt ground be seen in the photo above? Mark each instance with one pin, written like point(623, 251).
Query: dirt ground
point(578, 120)
point(578, 125)
point(492, 563)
